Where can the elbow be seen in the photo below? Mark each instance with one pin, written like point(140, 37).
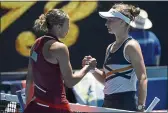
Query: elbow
point(143, 80)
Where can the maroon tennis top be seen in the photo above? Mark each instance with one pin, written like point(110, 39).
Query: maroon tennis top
point(49, 86)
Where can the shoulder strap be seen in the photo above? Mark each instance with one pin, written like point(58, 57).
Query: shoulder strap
point(125, 42)
point(47, 36)
point(108, 51)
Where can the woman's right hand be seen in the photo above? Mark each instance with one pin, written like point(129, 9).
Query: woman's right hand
point(88, 60)
point(85, 60)
point(92, 63)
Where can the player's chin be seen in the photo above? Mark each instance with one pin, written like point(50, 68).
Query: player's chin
point(64, 35)
point(111, 32)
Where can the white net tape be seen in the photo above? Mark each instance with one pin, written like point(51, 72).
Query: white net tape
point(81, 108)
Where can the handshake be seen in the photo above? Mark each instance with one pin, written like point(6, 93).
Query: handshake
point(88, 60)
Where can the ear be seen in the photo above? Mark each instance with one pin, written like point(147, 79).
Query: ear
point(123, 23)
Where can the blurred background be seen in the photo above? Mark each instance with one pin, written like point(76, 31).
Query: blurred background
point(87, 36)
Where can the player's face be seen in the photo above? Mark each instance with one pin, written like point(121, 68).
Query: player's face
point(113, 25)
point(64, 28)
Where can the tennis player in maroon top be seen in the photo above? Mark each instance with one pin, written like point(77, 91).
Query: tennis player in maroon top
point(50, 68)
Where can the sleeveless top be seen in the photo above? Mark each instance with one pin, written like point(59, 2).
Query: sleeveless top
point(121, 77)
point(49, 86)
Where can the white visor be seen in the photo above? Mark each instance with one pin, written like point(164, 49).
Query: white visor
point(114, 13)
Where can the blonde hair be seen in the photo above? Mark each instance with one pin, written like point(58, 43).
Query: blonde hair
point(52, 17)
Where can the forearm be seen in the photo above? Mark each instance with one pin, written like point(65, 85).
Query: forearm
point(80, 74)
point(29, 91)
point(99, 75)
point(77, 76)
point(29, 84)
point(142, 91)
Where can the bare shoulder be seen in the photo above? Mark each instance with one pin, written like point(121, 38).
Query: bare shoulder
point(132, 45)
point(59, 48)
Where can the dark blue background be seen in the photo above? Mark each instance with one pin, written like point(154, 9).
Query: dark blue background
point(93, 38)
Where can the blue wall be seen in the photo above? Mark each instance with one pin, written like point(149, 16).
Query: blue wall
point(157, 87)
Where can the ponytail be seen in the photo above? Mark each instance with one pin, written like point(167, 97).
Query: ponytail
point(40, 24)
